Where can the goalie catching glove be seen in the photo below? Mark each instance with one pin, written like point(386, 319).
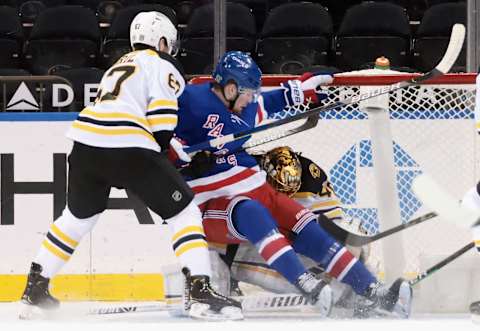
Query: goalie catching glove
point(306, 89)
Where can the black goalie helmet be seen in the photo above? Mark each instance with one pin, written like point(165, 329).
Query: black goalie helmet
point(283, 168)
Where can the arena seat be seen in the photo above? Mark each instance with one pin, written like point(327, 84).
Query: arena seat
point(64, 35)
point(11, 38)
point(433, 35)
point(117, 41)
point(294, 36)
point(196, 53)
point(372, 29)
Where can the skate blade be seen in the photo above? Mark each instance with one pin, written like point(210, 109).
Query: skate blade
point(325, 302)
point(31, 312)
point(202, 311)
point(403, 307)
point(475, 318)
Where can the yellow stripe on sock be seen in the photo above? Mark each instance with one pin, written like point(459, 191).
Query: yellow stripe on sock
point(55, 251)
point(66, 239)
point(190, 246)
point(188, 229)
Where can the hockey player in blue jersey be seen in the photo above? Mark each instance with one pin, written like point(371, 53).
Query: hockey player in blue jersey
point(306, 182)
point(237, 202)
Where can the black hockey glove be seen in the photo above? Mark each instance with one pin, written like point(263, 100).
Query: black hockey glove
point(201, 163)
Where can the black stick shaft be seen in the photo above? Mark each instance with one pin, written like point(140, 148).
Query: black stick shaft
point(442, 263)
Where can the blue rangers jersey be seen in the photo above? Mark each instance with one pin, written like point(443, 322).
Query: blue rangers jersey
point(202, 116)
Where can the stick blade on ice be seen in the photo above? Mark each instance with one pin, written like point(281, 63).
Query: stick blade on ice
point(438, 199)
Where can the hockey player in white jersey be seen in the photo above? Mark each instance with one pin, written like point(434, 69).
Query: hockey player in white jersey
point(117, 143)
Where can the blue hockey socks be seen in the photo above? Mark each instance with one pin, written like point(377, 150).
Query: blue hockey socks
point(255, 222)
point(313, 241)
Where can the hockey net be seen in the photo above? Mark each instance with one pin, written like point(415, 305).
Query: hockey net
point(432, 130)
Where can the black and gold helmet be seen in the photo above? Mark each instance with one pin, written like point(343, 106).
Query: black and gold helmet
point(283, 168)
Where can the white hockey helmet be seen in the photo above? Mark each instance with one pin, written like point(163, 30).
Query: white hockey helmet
point(149, 27)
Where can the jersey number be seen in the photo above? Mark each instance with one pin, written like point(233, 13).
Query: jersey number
point(173, 83)
point(126, 71)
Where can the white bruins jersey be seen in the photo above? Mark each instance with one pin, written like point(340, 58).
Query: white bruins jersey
point(137, 96)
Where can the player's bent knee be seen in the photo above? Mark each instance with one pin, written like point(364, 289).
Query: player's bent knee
point(253, 220)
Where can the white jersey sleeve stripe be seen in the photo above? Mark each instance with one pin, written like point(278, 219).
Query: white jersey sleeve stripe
point(115, 116)
point(162, 103)
point(162, 124)
point(111, 131)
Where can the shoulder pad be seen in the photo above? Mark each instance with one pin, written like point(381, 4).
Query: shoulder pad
point(313, 176)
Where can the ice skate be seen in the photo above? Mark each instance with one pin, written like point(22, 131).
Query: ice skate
point(36, 299)
point(235, 290)
point(380, 301)
point(317, 291)
point(201, 301)
point(475, 311)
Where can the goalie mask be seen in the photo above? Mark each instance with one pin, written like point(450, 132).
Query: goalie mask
point(283, 168)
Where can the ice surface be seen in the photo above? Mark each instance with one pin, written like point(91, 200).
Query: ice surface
point(73, 318)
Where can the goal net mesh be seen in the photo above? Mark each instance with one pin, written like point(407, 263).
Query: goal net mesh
point(433, 131)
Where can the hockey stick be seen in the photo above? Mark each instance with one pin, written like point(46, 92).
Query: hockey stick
point(453, 50)
point(441, 264)
point(250, 305)
point(356, 240)
point(310, 123)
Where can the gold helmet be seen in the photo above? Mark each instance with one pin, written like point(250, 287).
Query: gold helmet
point(284, 171)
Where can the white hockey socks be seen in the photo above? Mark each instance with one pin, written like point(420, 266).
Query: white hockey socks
point(189, 242)
point(61, 240)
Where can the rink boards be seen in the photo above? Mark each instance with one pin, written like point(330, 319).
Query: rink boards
point(121, 259)
point(125, 256)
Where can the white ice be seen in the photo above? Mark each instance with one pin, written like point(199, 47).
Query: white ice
point(74, 318)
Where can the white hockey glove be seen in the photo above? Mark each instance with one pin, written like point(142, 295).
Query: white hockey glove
point(306, 88)
point(176, 151)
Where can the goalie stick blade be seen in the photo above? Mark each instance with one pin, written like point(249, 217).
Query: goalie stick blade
point(438, 199)
point(453, 50)
point(356, 240)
